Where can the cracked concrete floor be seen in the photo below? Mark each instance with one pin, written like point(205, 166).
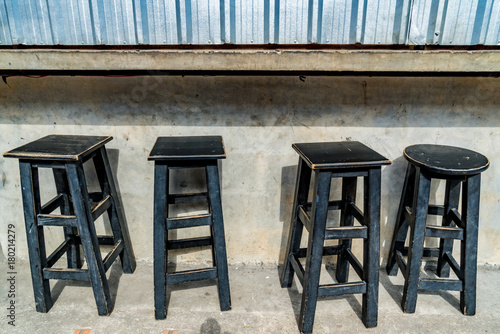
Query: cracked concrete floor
point(259, 305)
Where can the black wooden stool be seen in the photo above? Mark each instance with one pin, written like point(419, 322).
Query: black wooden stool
point(65, 155)
point(346, 160)
point(188, 152)
point(460, 168)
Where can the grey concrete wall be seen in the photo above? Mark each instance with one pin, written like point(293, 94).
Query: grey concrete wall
point(259, 118)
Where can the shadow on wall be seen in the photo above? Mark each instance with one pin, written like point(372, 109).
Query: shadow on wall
point(252, 101)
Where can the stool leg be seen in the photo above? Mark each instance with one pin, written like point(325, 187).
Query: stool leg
point(452, 196)
point(346, 219)
point(371, 247)
point(417, 236)
point(34, 234)
point(314, 255)
point(468, 258)
point(213, 186)
point(296, 227)
point(160, 236)
point(401, 227)
point(73, 254)
point(117, 218)
point(88, 236)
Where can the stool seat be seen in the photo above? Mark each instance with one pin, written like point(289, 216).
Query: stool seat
point(346, 154)
point(188, 148)
point(449, 160)
point(59, 148)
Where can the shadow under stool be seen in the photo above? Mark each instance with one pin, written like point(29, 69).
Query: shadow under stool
point(461, 169)
point(324, 161)
point(180, 153)
point(65, 155)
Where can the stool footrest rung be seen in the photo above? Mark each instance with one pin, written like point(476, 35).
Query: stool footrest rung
point(304, 218)
point(190, 221)
point(56, 220)
point(327, 250)
point(341, 289)
point(444, 232)
point(112, 255)
point(356, 212)
point(332, 205)
point(440, 284)
point(191, 275)
point(428, 252)
point(58, 252)
point(346, 232)
point(101, 207)
point(435, 210)
point(453, 264)
point(401, 262)
point(103, 240)
point(297, 267)
point(456, 217)
point(187, 198)
point(356, 265)
point(189, 243)
point(68, 274)
point(53, 204)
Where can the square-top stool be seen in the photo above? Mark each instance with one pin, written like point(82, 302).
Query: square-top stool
point(461, 169)
point(324, 161)
point(178, 153)
point(65, 155)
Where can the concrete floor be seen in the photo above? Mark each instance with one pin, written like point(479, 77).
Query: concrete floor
point(259, 305)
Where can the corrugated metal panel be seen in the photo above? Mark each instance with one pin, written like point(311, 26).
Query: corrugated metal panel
point(171, 22)
point(465, 22)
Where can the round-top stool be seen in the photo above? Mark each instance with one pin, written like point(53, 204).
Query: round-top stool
point(461, 168)
point(65, 155)
point(178, 153)
point(324, 161)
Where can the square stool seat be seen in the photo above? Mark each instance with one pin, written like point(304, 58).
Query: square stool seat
point(345, 154)
point(59, 148)
point(188, 148)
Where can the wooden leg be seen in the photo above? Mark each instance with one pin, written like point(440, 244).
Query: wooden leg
point(117, 218)
point(90, 244)
point(346, 219)
point(296, 227)
point(34, 236)
point(452, 196)
point(214, 199)
point(468, 258)
point(401, 227)
point(371, 247)
point(160, 237)
point(417, 236)
point(73, 254)
point(316, 239)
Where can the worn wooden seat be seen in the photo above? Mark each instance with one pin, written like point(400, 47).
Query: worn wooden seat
point(188, 152)
point(65, 155)
point(461, 168)
point(348, 161)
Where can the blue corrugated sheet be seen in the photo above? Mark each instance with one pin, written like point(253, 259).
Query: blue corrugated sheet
point(173, 22)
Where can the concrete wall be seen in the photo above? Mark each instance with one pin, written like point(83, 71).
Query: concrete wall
point(259, 118)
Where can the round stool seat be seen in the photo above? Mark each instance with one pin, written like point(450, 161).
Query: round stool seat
point(449, 160)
